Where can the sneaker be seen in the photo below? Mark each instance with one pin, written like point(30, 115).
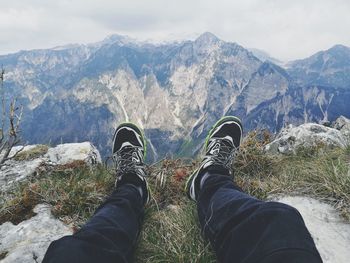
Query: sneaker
point(221, 146)
point(129, 152)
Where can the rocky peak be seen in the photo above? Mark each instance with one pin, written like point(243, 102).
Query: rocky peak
point(115, 38)
point(207, 38)
point(328, 68)
point(340, 49)
point(207, 42)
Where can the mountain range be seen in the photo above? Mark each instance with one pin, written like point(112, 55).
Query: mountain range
point(174, 91)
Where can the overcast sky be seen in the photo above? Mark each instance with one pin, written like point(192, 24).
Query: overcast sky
point(287, 29)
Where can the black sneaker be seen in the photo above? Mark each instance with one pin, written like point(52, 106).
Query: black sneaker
point(129, 151)
point(221, 146)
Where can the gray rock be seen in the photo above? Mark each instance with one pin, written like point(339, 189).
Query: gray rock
point(30, 239)
point(329, 231)
point(70, 152)
point(15, 171)
point(306, 135)
point(343, 125)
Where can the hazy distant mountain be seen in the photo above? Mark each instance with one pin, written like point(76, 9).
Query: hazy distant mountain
point(174, 91)
point(328, 68)
point(264, 56)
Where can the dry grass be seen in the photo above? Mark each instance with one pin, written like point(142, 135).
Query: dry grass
point(74, 193)
point(3, 255)
point(171, 232)
point(317, 171)
point(20, 206)
point(33, 153)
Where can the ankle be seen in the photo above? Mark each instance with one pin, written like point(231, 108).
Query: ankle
point(138, 188)
point(203, 179)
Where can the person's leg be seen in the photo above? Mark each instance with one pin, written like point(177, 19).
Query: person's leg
point(240, 227)
point(245, 229)
point(111, 234)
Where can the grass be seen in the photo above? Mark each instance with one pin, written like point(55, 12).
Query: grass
point(317, 172)
point(3, 255)
point(74, 192)
point(171, 232)
point(33, 153)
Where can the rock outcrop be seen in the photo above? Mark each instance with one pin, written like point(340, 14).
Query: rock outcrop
point(343, 125)
point(69, 152)
point(27, 164)
point(29, 240)
point(329, 231)
point(310, 135)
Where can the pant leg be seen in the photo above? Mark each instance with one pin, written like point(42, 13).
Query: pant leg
point(110, 235)
point(244, 229)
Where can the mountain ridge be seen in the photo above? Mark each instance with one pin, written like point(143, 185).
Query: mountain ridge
point(174, 91)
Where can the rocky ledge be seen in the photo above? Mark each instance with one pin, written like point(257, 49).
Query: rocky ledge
point(333, 241)
point(29, 240)
point(307, 135)
point(32, 158)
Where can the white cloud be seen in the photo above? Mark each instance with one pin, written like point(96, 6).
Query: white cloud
point(286, 29)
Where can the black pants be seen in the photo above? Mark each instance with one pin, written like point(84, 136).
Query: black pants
point(239, 227)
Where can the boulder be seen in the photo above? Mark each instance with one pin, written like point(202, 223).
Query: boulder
point(306, 135)
point(18, 169)
point(69, 152)
point(29, 240)
point(342, 124)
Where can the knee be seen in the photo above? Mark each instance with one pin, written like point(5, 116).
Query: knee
point(281, 210)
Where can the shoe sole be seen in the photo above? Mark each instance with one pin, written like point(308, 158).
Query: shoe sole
point(218, 123)
point(138, 130)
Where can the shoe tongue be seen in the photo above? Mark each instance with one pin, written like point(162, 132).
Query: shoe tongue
point(130, 161)
point(220, 146)
point(130, 149)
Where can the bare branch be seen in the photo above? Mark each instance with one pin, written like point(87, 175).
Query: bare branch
point(10, 125)
point(2, 94)
point(15, 154)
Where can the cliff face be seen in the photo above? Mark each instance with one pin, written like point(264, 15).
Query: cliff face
point(174, 91)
